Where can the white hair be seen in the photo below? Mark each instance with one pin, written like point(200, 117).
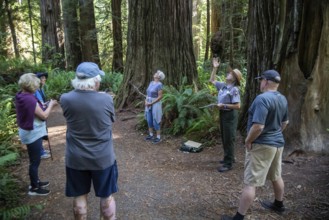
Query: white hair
point(161, 75)
point(86, 84)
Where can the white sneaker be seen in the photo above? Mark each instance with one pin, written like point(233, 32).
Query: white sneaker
point(45, 156)
point(46, 151)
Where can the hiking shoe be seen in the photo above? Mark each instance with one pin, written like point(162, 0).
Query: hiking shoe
point(42, 184)
point(226, 217)
point(270, 205)
point(156, 140)
point(45, 156)
point(223, 169)
point(223, 162)
point(149, 137)
point(38, 192)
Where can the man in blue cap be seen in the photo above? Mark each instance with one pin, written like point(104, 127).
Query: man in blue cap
point(89, 156)
point(268, 117)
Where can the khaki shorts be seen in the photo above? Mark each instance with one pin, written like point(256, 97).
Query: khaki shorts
point(262, 162)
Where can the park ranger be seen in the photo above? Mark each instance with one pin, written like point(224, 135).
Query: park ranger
point(228, 104)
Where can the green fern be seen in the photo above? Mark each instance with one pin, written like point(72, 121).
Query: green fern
point(58, 83)
point(181, 107)
point(8, 158)
point(205, 128)
point(15, 213)
point(20, 212)
point(111, 81)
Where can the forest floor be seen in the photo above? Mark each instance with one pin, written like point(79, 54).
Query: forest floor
point(161, 182)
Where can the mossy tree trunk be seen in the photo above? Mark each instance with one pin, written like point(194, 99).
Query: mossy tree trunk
point(159, 37)
point(292, 37)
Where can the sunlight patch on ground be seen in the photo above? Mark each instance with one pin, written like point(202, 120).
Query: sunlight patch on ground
point(116, 136)
point(57, 129)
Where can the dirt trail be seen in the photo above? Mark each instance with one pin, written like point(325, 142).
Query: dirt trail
point(160, 182)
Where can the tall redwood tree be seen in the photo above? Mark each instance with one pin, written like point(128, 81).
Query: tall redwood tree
point(159, 37)
point(292, 37)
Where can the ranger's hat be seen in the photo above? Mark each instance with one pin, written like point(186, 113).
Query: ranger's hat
point(88, 70)
point(271, 75)
point(238, 75)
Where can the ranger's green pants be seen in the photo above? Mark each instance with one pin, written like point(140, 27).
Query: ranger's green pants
point(228, 126)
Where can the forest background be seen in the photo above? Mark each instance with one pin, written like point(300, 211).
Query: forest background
point(131, 39)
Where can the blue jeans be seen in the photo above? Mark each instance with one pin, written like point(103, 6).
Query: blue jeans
point(151, 122)
point(34, 151)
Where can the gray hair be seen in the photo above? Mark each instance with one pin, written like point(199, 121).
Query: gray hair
point(29, 82)
point(161, 75)
point(86, 84)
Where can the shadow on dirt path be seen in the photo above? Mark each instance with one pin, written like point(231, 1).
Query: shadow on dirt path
point(161, 182)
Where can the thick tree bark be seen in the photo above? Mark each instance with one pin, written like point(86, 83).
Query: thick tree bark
point(71, 33)
point(88, 32)
point(215, 16)
point(12, 28)
point(159, 37)
point(292, 37)
point(3, 30)
point(49, 18)
point(117, 62)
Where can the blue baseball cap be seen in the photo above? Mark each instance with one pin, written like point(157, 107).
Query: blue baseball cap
point(271, 75)
point(88, 70)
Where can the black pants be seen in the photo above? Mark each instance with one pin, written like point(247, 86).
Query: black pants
point(228, 126)
point(34, 151)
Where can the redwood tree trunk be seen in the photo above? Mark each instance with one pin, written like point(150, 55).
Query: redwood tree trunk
point(3, 30)
point(206, 54)
point(292, 37)
point(117, 62)
point(215, 16)
point(12, 28)
point(50, 44)
point(60, 34)
point(159, 37)
point(88, 32)
point(71, 33)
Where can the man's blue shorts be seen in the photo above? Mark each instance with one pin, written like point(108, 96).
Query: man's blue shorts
point(78, 182)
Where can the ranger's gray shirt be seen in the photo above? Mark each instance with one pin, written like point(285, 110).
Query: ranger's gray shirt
point(89, 116)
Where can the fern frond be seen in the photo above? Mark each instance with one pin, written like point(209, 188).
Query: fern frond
point(15, 213)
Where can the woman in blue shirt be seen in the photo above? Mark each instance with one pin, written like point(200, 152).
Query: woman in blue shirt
point(153, 107)
point(228, 104)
